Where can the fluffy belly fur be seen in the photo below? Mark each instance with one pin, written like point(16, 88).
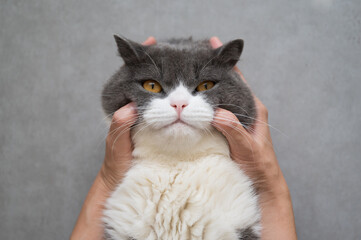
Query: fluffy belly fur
point(206, 198)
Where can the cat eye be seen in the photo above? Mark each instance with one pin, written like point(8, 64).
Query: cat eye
point(204, 86)
point(152, 86)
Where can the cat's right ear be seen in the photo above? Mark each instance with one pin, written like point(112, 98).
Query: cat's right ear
point(229, 54)
point(131, 52)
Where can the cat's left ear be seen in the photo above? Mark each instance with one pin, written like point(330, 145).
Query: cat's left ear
point(130, 51)
point(229, 54)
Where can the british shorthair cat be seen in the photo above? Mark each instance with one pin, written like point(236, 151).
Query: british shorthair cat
point(183, 183)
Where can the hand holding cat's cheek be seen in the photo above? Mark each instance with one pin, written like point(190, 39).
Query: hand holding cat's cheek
point(243, 147)
point(231, 128)
point(118, 150)
point(252, 149)
point(118, 156)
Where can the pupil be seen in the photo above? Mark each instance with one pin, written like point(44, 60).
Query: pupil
point(205, 86)
point(152, 85)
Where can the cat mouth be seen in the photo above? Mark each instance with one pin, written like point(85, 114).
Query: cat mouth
point(178, 122)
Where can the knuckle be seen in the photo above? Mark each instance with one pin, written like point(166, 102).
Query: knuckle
point(231, 117)
point(234, 124)
point(119, 117)
point(265, 113)
point(261, 146)
point(109, 140)
point(262, 107)
point(263, 110)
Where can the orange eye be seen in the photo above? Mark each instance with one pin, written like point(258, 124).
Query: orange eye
point(152, 86)
point(204, 86)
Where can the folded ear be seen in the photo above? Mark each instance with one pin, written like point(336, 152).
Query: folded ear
point(229, 53)
point(130, 51)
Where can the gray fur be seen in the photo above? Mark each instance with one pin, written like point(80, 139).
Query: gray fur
point(174, 61)
point(247, 234)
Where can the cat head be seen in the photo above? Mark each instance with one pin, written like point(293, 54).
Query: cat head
point(176, 86)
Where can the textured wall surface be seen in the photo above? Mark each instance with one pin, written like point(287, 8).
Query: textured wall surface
point(301, 58)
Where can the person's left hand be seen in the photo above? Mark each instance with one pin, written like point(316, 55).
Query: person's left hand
point(119, 147)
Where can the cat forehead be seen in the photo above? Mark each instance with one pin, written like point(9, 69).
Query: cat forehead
point(186, 54)
point(173, 65)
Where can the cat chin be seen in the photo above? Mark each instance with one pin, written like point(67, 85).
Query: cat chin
point(175, 137)
point(179, 130)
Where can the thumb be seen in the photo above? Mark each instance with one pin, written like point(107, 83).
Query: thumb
point(119, 132)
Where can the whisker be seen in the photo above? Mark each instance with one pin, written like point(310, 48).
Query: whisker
point(120, 134)
point(145, 125)
point(205, 65)
point(248, 129)
point(246, 116)
point(151, 59)
point(234, 128)
point(126, 125)
point(231, 120)
point(229, 104)
point(259, 121)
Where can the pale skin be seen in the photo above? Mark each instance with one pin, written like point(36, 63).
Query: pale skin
point(251, 148)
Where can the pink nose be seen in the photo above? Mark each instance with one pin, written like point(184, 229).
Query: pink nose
point(179, 106)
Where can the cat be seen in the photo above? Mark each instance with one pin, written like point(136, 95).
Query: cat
point(183, 183)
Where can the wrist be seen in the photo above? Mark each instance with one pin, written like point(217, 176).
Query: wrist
point(269, 177)
point(275, 190)
point(89, 225)
point(107, 179)
point(277, 213)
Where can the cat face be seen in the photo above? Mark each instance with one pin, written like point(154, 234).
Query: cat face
point(178, 84)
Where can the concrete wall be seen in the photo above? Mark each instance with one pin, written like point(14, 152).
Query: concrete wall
point(301, 58)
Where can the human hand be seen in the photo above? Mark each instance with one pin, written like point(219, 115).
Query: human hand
point(118, 147)
point(117, 160)
point(252, 148)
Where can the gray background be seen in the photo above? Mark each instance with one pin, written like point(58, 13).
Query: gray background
point(301, 58)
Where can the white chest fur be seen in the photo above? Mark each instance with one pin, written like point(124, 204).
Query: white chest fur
point(206, 197)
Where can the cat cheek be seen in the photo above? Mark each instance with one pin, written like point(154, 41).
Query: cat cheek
point(159, 113)
point(199, 113)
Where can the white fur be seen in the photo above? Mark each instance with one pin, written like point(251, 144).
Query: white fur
point(183, 184)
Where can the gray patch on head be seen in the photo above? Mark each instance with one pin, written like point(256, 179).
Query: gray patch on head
point(174, 61)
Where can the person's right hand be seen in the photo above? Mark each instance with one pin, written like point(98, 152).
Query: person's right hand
point(252, 148)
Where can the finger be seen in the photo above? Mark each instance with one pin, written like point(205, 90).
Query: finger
point(261, 110)
point(118, 139)
point(123, 117)
point(228, 124)
point(261, 126)
point(215, 42)
point(150, 41)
